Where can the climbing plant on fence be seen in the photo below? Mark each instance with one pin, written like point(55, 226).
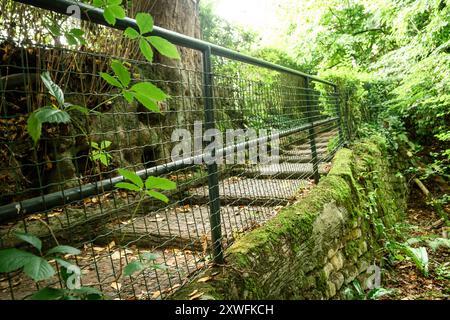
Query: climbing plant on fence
point(39, 266)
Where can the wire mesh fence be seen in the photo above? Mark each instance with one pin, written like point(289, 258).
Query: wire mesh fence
point(275, 135)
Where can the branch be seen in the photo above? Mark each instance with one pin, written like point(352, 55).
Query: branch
point(369, 30)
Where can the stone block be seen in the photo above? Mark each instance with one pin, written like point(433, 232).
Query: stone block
point(337, 261)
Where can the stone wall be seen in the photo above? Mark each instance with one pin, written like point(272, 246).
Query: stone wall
point(316, 247)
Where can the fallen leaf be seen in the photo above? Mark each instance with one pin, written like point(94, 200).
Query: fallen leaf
point(193, 293)
point(156, 294)
point(198, 295)
point(111, 245)
point(116, 286)
point(116, 255)
point(204, 279)
point(175, 287)
point(204, 244)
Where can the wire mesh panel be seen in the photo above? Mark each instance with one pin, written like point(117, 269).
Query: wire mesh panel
point(272, 135)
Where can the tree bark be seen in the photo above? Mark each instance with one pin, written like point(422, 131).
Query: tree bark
point(181, 79)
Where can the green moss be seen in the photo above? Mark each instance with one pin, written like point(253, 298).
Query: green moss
point(352, 250)
point(342, 163)
point(360, 181)
point(322, 282)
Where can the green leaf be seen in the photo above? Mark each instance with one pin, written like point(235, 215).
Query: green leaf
point(160, 183)
point(38, 269)
point(149, 256)
point(88, 293)
point(133, 267)
point(98, 3)
point(48, 294)
point(14, 259)
point(114, 2)
point(117, 10)
point(105, 144)
point(34, 127)
point(80, 109)
point(31, 239)
point(147, 102)
point(111, 80)
point(131, 33)
point(437, 243)
point(77, 32)
point(128, 186)
point(164, 47)
point(95, 155)
point(149, 90)
point(64, 250)
point(133, 177)
point(146, 49)
point(87, 290)
point(159, 267)
point(54, 30)
point(52, 115)
point(377, 293)
point(104, 159)
point(358, 288)
point(157, 195)
point(144, 22)
point(67, 266)
point(121, 72)
point(418, 255)
point(128, 96)
point(109, 16)
point(53, 88)
point(71, 40)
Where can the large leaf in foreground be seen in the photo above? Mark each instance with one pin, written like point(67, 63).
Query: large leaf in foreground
point(14, 259)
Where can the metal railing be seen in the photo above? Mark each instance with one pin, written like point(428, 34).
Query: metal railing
point(58, 192)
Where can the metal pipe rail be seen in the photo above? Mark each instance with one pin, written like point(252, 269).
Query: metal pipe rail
point(95, 15)
point(52, 200)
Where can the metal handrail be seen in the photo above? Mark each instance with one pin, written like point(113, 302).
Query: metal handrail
point(95, 15)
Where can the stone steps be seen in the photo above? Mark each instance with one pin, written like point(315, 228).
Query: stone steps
point(257, 192)
point(184, 227)
point(281, 171)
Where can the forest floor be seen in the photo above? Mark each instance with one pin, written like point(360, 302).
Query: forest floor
point(403, 277)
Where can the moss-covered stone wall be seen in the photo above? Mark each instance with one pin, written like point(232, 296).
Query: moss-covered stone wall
point(316, 247)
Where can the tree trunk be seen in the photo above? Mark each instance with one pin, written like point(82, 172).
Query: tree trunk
point(181, 79)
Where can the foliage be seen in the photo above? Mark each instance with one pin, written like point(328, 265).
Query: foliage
point(356, 292)
point(145, 25)
point(418, 255)
point(145, 261)
point(402, 51)
point(148, 187)
point(99, 153)
point(144, 92)
point(113, 10)
point(219, 31)
point(39, 268)
point(56, 113)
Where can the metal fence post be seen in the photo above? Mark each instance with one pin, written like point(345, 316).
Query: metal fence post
point(213, 176)
point(338, 114)
point(348, 123)
point(312, 134)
